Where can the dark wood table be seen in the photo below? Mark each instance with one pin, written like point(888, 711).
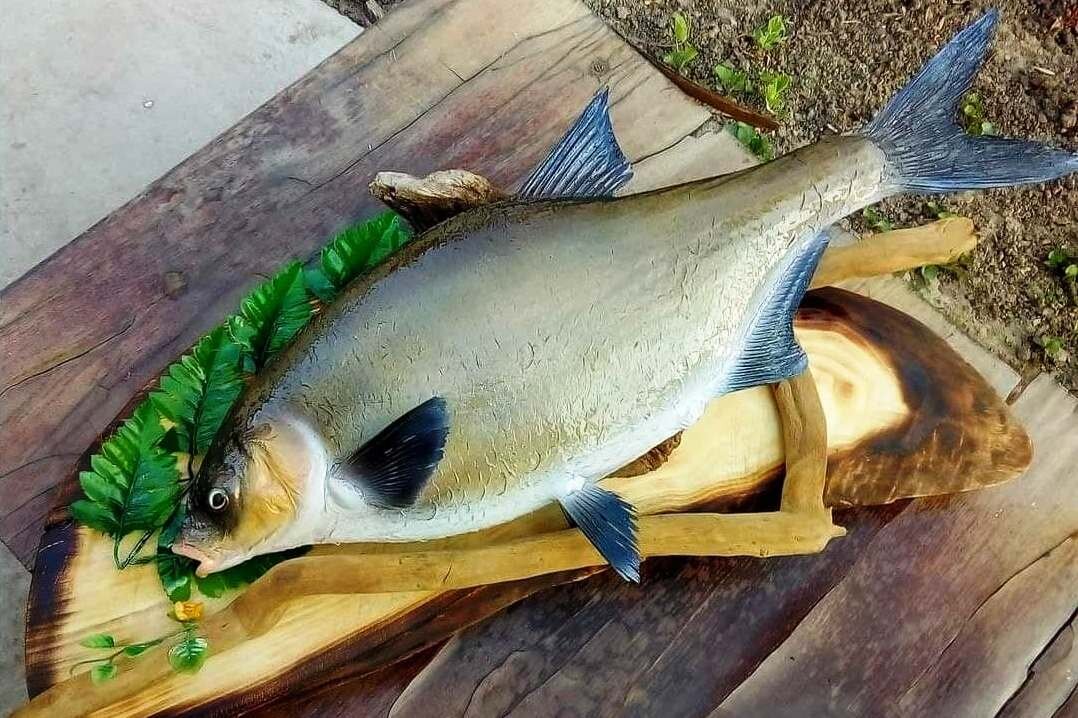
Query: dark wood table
point(956, 606)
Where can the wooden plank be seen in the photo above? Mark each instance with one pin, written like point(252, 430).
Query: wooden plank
point(910, 578)
point(1052, 679)
point(601, 646)
point(854, 347)
point(439, 83)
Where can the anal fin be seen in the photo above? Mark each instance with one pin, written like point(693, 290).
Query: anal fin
point(609, 522)
point(769, 352)
point(393, 467)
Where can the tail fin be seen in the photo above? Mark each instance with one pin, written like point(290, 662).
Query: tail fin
point(926, 149)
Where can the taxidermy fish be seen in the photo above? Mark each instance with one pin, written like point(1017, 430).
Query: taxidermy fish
point(517, 353)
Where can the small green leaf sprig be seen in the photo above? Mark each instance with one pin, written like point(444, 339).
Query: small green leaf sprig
point(973, 116)
point(187, 654)
point(683, 53)
point(105, 668)
point(771, 33)
point(1064, 262)
point(756, 143)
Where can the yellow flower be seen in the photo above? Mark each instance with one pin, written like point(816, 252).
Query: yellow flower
point(187, 610)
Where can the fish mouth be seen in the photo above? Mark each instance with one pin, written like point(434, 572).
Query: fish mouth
point(206, 565)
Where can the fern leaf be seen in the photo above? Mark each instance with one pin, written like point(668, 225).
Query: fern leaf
point(355, 251)
point(199, 390)
point(176, 573)
point(96, 516)
point(152, 495)
point(275, 311)
point(133, 483)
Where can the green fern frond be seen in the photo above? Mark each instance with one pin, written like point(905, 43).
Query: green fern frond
point(354, 251)
point(198, 391)
point(276, 311)
point(132, 484)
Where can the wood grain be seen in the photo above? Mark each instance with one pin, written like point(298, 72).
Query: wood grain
point(75, 579)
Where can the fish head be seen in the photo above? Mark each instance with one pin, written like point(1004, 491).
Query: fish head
point(248, 494)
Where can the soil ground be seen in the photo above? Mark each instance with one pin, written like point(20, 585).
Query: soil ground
point(846, 59)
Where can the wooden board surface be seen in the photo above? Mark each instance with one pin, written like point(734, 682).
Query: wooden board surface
point(891, 392)
point(901, 596)
point(933, 607)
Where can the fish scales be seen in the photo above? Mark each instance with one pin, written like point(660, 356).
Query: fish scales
point(664, 284)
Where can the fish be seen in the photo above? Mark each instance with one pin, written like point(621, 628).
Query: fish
point(515, 353)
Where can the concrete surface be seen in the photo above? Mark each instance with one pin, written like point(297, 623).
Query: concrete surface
point(14, 585)
point(100, 97)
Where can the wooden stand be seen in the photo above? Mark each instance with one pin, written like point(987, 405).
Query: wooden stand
point(415, 595)
point(488, 86)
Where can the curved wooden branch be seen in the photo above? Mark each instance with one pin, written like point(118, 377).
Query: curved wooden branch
point(804, 432)
point(940, 242)
point(803, 525)
point(761, 535)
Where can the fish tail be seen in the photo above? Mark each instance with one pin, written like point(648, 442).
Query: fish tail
point(926, 149)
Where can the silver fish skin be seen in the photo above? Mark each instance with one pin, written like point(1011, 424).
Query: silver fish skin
point(567, 338)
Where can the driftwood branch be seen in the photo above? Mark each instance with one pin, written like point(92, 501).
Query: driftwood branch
point(940, 242)
point(803, 525)
point(426, 201)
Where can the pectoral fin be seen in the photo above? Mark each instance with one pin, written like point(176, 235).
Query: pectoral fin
point(586, 162)
point(609, 522)
point(394, 466)
point(769, 352)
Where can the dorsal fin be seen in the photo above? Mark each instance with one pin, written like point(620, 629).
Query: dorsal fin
point(770, 352)
point(586, 162)
point(394, 466)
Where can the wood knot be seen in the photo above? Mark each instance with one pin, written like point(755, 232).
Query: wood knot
point(175, 284)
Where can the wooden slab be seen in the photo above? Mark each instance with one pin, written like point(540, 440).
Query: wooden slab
point(935, 607)
point(237, 208)
point(904, 416)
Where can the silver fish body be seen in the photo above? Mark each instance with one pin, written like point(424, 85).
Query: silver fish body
point(567, 338)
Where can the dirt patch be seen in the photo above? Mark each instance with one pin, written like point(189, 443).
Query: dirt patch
point(845, 60)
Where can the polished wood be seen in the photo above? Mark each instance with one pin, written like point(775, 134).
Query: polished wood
point(306, 611)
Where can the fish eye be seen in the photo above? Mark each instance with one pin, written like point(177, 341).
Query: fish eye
point(217, 500)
